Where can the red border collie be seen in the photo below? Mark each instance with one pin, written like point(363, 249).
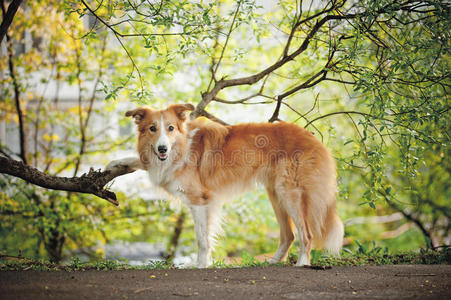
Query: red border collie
point(206, 164)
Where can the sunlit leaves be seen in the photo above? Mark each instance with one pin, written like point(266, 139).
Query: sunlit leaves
point(388, 125)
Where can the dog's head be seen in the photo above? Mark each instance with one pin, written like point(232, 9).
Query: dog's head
point(159, 129)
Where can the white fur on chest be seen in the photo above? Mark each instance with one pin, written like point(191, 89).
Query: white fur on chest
point(161, 173)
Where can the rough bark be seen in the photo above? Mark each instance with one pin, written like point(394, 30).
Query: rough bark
point(173, 243)
point(92, 182)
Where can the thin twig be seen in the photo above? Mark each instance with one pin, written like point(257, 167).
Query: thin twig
point(215, 69)
point(12, 74)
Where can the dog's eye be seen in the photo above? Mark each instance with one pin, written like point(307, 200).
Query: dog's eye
point(170, 128)
point(153, 128)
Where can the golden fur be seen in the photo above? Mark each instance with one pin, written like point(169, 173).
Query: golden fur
point(209, 163)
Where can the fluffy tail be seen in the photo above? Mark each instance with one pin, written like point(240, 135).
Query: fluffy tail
point(333, 238)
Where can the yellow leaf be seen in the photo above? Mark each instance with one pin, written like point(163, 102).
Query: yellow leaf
point(53, 137)
point(73, 110)
point(46, 137)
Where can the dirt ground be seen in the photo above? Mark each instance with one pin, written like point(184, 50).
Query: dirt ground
point(367, 282)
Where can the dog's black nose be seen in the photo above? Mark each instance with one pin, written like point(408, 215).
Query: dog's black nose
point(162, 149)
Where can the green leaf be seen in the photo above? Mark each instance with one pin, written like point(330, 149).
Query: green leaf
point(388, 190)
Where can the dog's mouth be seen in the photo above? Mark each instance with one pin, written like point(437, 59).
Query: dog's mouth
point(161, 156)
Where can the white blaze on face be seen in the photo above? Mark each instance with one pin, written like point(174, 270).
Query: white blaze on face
point(163, 140)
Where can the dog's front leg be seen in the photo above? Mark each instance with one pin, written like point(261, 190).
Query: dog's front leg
point(129, 165)
point(202, 227)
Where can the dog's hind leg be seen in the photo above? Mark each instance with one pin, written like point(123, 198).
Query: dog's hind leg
point(286, 227)
point(292, 200)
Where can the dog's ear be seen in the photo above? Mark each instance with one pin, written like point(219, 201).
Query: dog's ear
point(181, 109)
point(138, 114)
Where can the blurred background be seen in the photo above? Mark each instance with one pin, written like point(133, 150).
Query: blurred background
point(372, 83)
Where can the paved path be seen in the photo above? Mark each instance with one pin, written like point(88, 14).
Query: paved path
point(368, 282)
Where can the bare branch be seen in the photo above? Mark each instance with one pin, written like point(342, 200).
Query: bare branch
point(408, 216)
point(244, 100)
point(12, 74)
point(211, 117)
point(298, 22)
point(91, 183)
point(249, 80)
point(307, 84)
point(8, 16)
point(303, 116)
point(215, 69)
point(339, 80)
point(83, 124)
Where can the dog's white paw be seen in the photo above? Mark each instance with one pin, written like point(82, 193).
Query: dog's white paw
point(204, 262)
point(115, 164)
point(129, 163)
point(303, 261)
point(273, 261)
point(202, 266)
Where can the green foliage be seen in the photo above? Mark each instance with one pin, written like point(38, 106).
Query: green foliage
point(246, 224)
point(378, 257)
point(372, 257)
point(383, 109)
point(248, 260)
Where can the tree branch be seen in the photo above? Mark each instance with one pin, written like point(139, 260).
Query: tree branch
point(173, 243)
point(215, 68)
point(8, 16)
point(305, 85)
point(206, 114)
point(249, 80)
point(409, 217)
point(92, 182)
point(425, 136)
point(244, 100)
point(12, 74)
point(119, 34)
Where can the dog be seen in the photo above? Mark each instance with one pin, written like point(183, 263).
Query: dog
point(205, 163)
